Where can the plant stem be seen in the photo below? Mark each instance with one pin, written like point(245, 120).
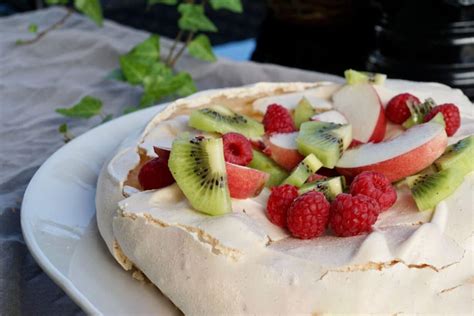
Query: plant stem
point(181, 51)
point(56, 25)
point(175, 43)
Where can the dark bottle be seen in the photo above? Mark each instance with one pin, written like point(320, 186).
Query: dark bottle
point(426, 40)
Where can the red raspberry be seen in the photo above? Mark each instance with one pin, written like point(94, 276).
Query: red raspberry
point(308, 215)
point(397, 109)
point(277, 119)
point(155, 173)
point(355, 143)
point(353, 215)
point(376, 186)
point(451, 116)
point(237, 149)
point(278, 203)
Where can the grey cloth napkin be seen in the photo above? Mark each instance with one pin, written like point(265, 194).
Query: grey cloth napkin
point(57, 71)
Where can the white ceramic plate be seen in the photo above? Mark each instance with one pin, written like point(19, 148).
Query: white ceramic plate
point(59, 226)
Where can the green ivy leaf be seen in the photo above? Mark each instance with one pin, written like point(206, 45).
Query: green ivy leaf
point(33, 28)
point(116, 74)
point(231, 5)
point(193, 18)
point(201, 48)
point(167, 2)
point(149, 49)
point(91, 8)
point(63, 128)
point(157, 87)
point(86, 108)
point(57, 2)
point(134, 69)
point(188, 86)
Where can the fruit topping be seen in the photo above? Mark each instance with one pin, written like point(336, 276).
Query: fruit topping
point(402, 156)
point(155, 173)
point(398, 108)
point(308, 215)
point(330, 187)
point(237, 149)
point(279, 202)
point(330, 117)
point(327, 141)
point(222, 120)
point(459, 155)
point(361, 106)
point(451, 115)
point(262, 162)
point(303, 171)
point(353, 215)
point(277, 119)
point(303, 112)
point(281, 147)
point(356, 77)
point(430, 189)
point(245, 182)
point(418, 112)
point(376, 186)
point(199, 169)
point(315, 177)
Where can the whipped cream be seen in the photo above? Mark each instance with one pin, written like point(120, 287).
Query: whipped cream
point(241, 263)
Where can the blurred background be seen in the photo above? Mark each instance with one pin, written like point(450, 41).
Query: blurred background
point(428, 40)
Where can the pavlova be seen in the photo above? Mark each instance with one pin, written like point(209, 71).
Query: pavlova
point(300, 198)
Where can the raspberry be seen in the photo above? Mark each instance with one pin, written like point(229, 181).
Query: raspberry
point(155, 173)
point(397, 109)
point(353, 215)
point(355, 143)
point(237, 149)
point(278, 203)
point(376, 186)
point(450, 114)
point(277, 119)
point(308, 215)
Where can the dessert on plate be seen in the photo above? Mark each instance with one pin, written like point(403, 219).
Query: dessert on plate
point(308, 198)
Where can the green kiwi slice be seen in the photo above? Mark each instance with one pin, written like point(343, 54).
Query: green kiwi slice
point(264, 163)
point(305, 168)
point(430, 189)
point(355, 77)
point(327, 141)
point(198, 167)
point(459, 155)
point(330, 187)
point(303, 112)
point(418, 112)
point(223, 120)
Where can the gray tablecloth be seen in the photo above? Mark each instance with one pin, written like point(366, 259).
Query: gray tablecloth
point(57, 71)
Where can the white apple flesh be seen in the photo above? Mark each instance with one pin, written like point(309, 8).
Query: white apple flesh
point(330, 117)
point(361, 106)
point(397, 158)
point(282, 149)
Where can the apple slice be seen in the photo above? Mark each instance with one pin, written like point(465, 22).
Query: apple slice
point(244, 182)
point(330, 117)
point(399, 157)
point(282, 148)
point(361, 106)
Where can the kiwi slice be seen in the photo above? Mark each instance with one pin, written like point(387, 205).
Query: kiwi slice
point(223, 120)
point(305, 168)
point(327, 141)
point(459, 155)
point(264, 163)
point(198, 167)
point(303, 112)
point(418, 112)
point(430, 189)
point(355, 77)
point(330, 187)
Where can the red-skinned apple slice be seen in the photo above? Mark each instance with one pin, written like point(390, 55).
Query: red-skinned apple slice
point(399, 157)
point(330, 117)
point(282, 148)
point(244, 182)
point(361, 106)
